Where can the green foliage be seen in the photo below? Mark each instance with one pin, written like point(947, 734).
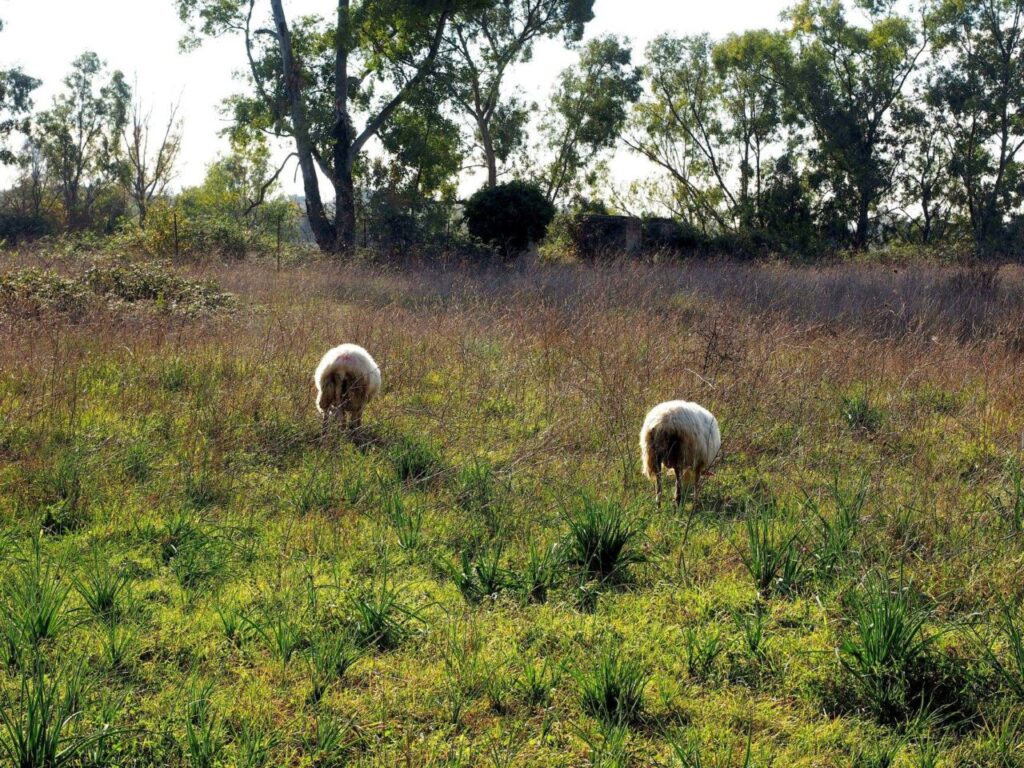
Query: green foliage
point(859, 414)
point(604, 541)
point(588, 112)
point(612, 689)
point(103, 588)
point(480, 577)
point(37, 731)
point(414, 460)
point(773, 557)
point(701, 651)
point(381, 617)
point(110, 286)
point(80, 138)
point(887, 649)
point(35, 599)
point(509, 216)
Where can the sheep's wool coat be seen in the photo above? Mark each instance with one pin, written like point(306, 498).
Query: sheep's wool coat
point(679, 434)
point(347, 378)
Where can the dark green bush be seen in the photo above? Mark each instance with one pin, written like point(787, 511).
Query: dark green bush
point(509, 216)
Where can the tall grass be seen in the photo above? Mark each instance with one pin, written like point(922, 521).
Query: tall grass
point(604, 540)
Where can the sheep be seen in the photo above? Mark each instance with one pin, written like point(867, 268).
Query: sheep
point(682, 436)
point(346, 380)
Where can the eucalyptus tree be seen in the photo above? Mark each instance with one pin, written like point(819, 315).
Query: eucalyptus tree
point(844, 83)
point(80, 135)
point(329, 82)
point(482, 44)
point(588, 111)
point(15, 105)
point(978, 83)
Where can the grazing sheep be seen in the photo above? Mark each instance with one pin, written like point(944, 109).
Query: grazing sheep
point(346, 380)
point(683, 437)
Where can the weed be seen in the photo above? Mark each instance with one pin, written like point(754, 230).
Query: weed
point(37, 731)
point(612, 690)
point(773, 557)
point(480, 577)
point(1010, 671)
point(36, 599)
point(701, 651)
point(414, 460)
point(103, 588)
point(406, 522)
point(603, 541)
point(202, 743)
point(331, 655)
point(381, 618)
point(537, 683)
point(858, 413)
point(540, 572)
point(280, 633)
point(887, 648)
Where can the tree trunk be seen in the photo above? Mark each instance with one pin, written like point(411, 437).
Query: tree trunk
point(487, 142)
point(860, 237)
point(323, 230)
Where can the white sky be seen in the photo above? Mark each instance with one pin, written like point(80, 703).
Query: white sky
point(140, 37)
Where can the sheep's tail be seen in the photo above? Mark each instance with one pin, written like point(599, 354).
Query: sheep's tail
point(648, 456)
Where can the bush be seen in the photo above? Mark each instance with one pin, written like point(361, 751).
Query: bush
point(509, 216)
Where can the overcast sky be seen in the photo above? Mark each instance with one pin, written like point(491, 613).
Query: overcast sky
point(140, 37)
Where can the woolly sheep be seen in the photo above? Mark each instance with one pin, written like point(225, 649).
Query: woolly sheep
point(681, 436)
point(346, 380)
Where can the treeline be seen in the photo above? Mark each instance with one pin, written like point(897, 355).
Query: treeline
point(856, 124)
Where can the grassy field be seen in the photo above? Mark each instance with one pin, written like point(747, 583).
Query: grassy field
point(192, 576)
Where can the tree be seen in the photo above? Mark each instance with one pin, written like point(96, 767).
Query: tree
point(482, 44)
point(978, 84)
point(844, 83)
point(80, 135)
point(509, 216)
point(147, 170)
point(588, 111)
point(751, 97)
point(680, 128)
point(15, 105)
point(311, 79)
point(925, 182)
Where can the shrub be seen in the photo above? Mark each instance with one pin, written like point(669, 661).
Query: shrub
point(612, 690)
point(509, 216)
point(603, 541)
point(887, 652)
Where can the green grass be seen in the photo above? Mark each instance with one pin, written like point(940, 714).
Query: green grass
point(191, 575)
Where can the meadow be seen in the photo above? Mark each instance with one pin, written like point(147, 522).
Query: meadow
point(191, 575)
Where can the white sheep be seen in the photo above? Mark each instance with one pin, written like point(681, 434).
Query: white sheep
point(346, 380)
point(683, 437)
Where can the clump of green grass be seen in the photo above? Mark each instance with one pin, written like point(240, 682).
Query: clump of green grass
point(405, 519)
point(1009, 670)
point(280, 632)
point(36, 599)
point(139, 458)
point(482, 492)
point(612, 689)
point(203, 745)
point(604, 540)
point(538, 682)
point(38, 731)
point(480, 577)
point(315, 491)
point(887, 649)
point(836, 534)
point(701, 650)
point(103, 588)
point(540, 572)
point(381, 617)
point(414, 460)
point(859, 414)
point(1010, 503)
point(331, 655)
point(773, 557)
